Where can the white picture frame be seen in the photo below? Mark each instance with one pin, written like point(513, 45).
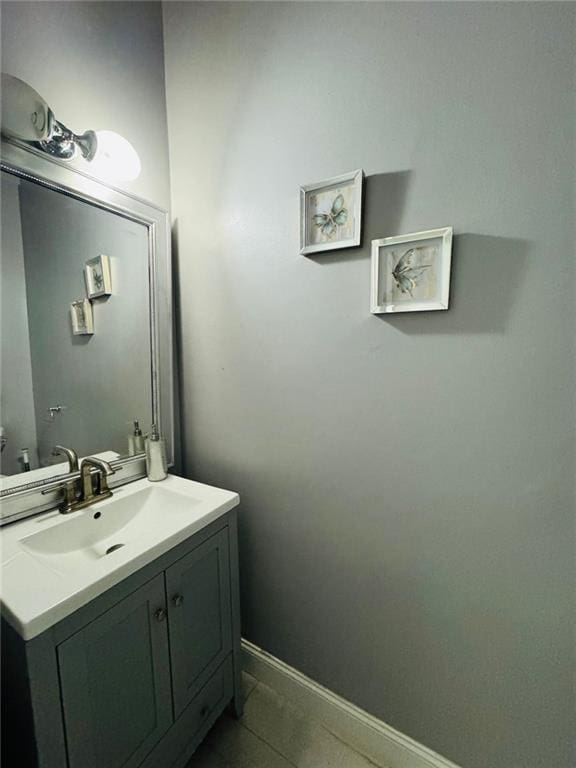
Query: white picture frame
point(331, 213)
point(411, 273)
point(82, 317)
point(98, 277)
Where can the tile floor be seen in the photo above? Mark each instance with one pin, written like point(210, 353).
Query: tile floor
point(272, 734)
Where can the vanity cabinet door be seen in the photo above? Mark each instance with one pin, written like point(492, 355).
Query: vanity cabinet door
point(115, 682)
point(198, 588)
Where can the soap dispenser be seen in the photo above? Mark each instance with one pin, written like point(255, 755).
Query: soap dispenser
point(136, 442)
point(25, 459)
point(156, 464)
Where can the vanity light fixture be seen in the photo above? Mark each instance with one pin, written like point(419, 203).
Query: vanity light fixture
point(28, 118)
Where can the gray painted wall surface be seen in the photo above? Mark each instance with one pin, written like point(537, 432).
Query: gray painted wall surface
point(103, 379)
point(407, 524)
point(16, 393)
point(99, 65)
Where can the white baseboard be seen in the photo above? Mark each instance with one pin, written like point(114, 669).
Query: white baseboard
point(377, 741)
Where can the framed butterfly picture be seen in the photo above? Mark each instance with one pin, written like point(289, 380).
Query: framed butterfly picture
point(82, 318)
point(411, 273)
point(98, 277)
point(331, 213)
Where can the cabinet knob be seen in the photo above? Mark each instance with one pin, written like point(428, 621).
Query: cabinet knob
point(177, 600)
point(160, 614)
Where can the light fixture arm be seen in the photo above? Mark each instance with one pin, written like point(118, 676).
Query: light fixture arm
point(62, 142)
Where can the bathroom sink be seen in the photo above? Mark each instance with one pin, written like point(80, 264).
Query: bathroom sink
point(52, 564)
point(134, 520)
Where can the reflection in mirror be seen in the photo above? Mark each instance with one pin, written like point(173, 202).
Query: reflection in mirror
point(61, 384)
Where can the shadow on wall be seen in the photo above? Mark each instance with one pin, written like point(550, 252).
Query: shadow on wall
point(486, 277)
point(487, 271)
point(383, 204)
point(79, 341)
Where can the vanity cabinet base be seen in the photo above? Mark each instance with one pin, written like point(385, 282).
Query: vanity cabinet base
point(181, 741)
point(137, 677)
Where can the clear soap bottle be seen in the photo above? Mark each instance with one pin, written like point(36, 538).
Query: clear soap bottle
point(156, 464)
point(136, 441)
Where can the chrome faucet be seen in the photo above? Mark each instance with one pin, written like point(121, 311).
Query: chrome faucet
point(93, 488)
point(71, 455)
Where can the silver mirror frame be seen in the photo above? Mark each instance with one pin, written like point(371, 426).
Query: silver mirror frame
point(25, 162)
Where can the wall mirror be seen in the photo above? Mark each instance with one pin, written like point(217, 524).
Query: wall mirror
point(85, 326)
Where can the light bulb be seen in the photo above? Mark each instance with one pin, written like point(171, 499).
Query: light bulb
point(115, 158)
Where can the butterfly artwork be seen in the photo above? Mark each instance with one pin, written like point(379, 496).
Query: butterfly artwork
point(331, 213)
point(98, 278)
point(328, 223)
point(411, 273)
point(82, 318)
point(409, 270)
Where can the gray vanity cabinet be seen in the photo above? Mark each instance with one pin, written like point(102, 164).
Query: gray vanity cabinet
point(198, 591)
point(115, 683)
point(136, 677)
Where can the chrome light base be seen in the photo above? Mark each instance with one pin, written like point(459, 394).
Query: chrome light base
point(64, 143)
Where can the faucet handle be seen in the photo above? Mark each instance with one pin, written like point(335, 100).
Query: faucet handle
point(70, 498)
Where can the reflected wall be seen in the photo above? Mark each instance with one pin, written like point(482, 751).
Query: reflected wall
point(99, 382)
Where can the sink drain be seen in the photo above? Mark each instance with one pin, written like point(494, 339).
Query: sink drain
point(113, 548)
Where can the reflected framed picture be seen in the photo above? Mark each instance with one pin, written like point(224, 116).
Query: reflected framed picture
point(98, 277)
point(411, 273)
point(82, 318)
point(331, 213)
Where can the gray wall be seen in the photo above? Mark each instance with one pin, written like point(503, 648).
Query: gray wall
point(16, 394)
point(103, 379)
point(407, 524)
point(99, 65)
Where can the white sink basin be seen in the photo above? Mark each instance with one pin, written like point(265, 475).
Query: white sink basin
point(53, 564)
point(135, 520)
